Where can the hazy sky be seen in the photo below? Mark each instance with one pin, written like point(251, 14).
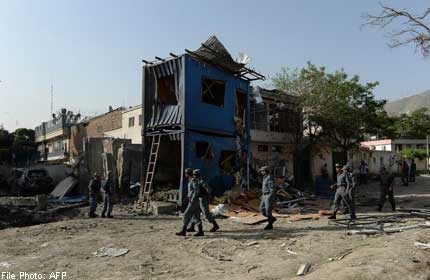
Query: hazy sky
point(92, 50)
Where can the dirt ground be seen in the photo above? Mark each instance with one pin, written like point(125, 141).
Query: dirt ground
point(237, 251)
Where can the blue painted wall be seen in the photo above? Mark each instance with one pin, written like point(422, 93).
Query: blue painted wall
point(202, 118)
point(208, 117)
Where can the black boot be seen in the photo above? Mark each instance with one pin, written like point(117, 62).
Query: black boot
point(200, 230)
point(183, 232)
point(269, 226)
point(332, 216)
point(92, 215)
point(353, 216)
point(215, 227)
point(379, 208)
point(191, 228)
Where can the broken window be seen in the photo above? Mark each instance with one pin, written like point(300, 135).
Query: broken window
point(213, 92)
point(131, 122)
point(227, 161)
point(241, 104)
point(203, 150)
point(263, 148)
point(166, 90)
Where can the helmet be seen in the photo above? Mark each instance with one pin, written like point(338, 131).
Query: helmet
point(196, 172)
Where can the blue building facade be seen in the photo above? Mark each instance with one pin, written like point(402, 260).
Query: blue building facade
point(199, 102)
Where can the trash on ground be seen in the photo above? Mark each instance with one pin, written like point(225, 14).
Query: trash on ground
point(110, 252)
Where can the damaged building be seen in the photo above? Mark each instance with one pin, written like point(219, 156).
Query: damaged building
point(276, 129)
point(196, 106)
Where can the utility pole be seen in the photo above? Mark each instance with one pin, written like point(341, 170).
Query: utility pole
point(52, 99)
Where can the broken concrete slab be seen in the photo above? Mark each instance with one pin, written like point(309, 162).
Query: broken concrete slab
point(162, 208)
point(64, 187)
point(39, 202)
point(304, 268)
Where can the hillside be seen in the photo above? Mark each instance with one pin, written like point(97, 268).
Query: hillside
point(408, 104)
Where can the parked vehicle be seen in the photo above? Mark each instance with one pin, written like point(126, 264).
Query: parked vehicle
point(33, 181)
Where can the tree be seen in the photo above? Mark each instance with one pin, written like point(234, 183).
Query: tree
point(338, 110)
point(24, 146)
point(6, 142)
point(410, 126)
point(414, 30)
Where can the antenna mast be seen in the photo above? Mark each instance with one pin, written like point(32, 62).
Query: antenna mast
point(52, 99)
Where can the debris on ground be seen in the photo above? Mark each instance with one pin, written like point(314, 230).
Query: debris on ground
point(5, 264)
point(111, 252)
point(423, 246)
point(304, 268)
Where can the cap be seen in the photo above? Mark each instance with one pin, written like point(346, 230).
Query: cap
point(264, 168)
point(196, 172)
point(96, 174)
point(338, 165)
point(188, 171)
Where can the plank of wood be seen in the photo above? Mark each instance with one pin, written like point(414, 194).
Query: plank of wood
point(304, 268)
point(251, 220)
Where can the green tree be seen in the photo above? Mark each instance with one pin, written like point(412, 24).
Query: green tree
point(24, 146)
point(415, 125)
point(338, 109)
point(6, 142)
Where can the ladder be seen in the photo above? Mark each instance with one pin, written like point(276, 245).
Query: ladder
point(145, 192)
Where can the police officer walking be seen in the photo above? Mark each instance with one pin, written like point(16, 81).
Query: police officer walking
point(107, 189)
point(193, 208)
point(343, 182)
point(205, 192)
point(94, 190)
point(268, 197)
point(386, 181)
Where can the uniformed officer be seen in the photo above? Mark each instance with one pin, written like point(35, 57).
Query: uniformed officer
point(386, 181)
point(107, 189)
point(193, 208)
point(205, 191)
point(341, 192)
point(268, 197)
point(94, 190)
point(350, 190)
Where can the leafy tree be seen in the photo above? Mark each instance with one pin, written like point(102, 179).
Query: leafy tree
point(6, 142)
point(410, 126)
point(338, 109)
point(24, 146)
point(413, 154)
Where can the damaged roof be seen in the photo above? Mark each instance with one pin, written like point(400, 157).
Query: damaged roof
point(213, 51)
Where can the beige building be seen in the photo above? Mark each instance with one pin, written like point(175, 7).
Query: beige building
point(131, 125)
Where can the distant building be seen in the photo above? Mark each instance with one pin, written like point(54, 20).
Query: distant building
point(52, 137)
point(395, 145)
point(131, 127)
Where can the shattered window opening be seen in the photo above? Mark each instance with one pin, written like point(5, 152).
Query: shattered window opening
point(213, 92)
point(166, 90)
point(203, 150)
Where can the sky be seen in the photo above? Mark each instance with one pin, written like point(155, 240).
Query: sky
point(92, 51)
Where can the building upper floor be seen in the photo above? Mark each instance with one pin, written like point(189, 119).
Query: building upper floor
point(58, 126)
point(275, 117)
